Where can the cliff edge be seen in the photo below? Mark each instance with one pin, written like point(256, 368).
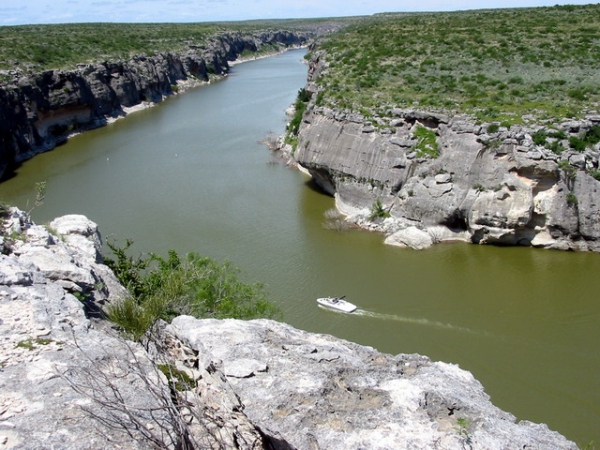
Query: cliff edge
point(68, 380)
point(39, 111)
point(424, 177)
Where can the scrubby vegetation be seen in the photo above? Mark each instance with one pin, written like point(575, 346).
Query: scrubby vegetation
point(299, 108)
point(59, 46)
point(41, 47)
point(498, 65)
point(291, 136)
point(378, 211)
point(163, 288)
point(426, 143)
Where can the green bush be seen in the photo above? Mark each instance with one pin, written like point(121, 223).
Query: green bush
point(577, 144)
point(539, 137)
point(592, 136)
point(493, 128)
point(378, 211)
point(426, 142)
point(557, 134)
point(556, 147)
point(299, 108)
point(165, 288)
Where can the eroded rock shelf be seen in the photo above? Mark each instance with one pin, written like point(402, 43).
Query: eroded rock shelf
point(68, 380)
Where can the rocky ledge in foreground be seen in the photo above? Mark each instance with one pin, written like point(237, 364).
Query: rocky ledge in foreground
point(317, 391)
point(70, 382)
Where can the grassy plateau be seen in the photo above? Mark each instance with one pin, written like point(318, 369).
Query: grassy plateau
point(42, 47)
point(498, 65)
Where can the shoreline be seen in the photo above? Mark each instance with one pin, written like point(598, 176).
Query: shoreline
point(85, 98)
point(183, 86)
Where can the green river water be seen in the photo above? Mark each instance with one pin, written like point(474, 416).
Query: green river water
point(190, 175)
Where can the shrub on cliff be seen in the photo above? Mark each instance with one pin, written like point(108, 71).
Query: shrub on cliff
point(163, 288)
point(299, 108)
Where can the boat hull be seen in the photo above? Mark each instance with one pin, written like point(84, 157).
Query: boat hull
point(337, 304)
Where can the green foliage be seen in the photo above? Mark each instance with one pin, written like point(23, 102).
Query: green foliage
point(426, 142)
point(479, 187)
point(557, 134)
point(596, 174)
point(128, 270)
point(493, 128)
point(63, 46)
point(577, 144)
point(496, 64)
point(303, 95)
point(463, 430)
point(587, 139)
point(299, 108)
point(163, 288)
point(592, 136)
point(31, 344)
point(378, 211)
point(539, 137)
point(180, 380)
point(556, 147)
point(571, 199)
point(569, 172)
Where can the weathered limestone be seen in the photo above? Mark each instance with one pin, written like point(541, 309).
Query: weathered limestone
point(39, 111)
point(488, 185)
point(70, 382)
point(47, 346)
point(317, 391)
point(497, 188)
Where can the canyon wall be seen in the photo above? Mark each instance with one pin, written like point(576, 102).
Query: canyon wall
point(481, 183)
point(39, 111)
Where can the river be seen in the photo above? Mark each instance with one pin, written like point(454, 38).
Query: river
point(190, 174)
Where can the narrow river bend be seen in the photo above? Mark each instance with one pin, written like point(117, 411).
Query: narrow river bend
point(190, 175)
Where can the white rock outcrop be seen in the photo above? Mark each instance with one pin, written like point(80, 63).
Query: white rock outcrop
point(317, 391)
point(69, 381)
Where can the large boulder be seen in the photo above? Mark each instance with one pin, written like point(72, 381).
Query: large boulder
point(317, 391)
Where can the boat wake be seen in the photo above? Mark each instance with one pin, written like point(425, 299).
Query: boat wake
point(414, 320)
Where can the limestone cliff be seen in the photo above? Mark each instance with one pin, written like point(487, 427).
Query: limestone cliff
point(38, 111)
point(480, 183)
point(67, 380)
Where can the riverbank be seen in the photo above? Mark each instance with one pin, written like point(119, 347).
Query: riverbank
point(66, 375)
point(523, 170)
point(42, 110)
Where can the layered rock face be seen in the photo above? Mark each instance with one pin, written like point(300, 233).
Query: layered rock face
point(69, 381)
point(311, 391)
point(495, 188)
point(39, 111)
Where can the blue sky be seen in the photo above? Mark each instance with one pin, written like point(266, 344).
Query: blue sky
point(16, 12)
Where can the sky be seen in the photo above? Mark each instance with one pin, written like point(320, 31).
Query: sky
point(18, 12)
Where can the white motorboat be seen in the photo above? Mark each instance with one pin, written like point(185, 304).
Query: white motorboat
point(337, 303)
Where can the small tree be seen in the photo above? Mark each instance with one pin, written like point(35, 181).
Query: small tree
point(163, 288)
